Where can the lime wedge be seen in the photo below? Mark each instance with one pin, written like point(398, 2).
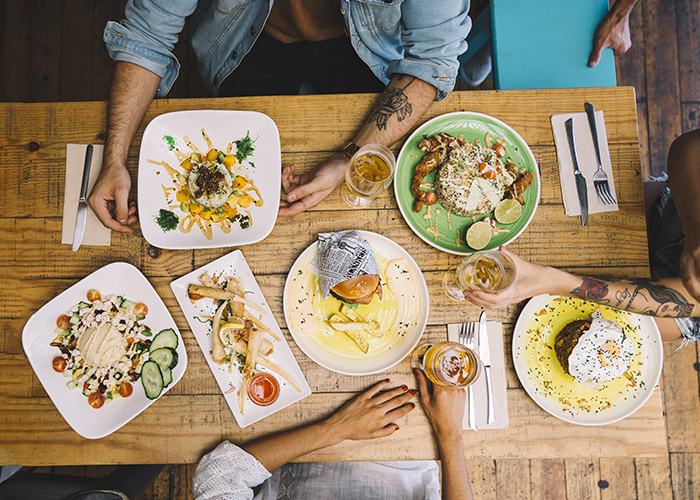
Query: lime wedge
point(508, 211)
point(479, 235)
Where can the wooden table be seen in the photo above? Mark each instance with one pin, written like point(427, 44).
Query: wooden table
point(193, 417)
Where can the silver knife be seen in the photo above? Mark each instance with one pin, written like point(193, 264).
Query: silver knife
point(580, 180)
point(81, 216)
point(485, 355)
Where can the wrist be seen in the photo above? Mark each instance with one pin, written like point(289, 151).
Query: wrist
point(327, 433)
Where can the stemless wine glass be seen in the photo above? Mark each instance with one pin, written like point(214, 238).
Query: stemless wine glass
point(368, 174)
point(449, 364)
point(491, 271)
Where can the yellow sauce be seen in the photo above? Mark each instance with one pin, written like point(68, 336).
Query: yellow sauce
point(549, 377)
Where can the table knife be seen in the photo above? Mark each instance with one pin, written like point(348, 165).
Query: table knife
point(590, 111)
point(580, 180)
point(485, 355)
point(81, 216)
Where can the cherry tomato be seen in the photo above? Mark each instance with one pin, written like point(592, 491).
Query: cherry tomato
point(59, 364)
point(93, 295)
point(430, 198)
point(500, 150)
point(96, 400)
point(63, 322)
point(140, 310)
point(125, 390)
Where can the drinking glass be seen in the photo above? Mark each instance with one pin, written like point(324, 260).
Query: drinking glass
point(449, 364)
point(491, 271)
point(367, 175)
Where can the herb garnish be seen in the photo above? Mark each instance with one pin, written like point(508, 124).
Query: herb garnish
point(244, 147)
point(167, 220)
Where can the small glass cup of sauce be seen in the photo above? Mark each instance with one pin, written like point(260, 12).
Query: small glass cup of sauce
point(263, 389)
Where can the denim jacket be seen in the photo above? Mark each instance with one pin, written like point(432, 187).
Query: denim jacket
point(421, 38)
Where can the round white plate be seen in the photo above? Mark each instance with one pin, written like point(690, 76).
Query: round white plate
point(368, 364)
point(557, 392)
point(118, 278)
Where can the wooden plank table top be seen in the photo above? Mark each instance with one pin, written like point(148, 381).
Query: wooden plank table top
point(193, 417)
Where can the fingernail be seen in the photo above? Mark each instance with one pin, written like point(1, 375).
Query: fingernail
point(413, 405)
point(291, 197)
point(413, 392)
point(404, 388)
point(387, 381)
point(397, 428)
point(415, 371)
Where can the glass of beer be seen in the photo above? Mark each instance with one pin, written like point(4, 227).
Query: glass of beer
point(449, 364)
point(491, 271)
point(367, 175)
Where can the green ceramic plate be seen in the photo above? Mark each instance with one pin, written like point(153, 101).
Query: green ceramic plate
point(450, 231)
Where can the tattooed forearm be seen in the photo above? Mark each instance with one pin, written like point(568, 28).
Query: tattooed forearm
point(394, 101)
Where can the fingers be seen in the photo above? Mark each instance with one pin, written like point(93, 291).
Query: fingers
point(289, 180)
point(102, 211)
point(289, 209)
point(376, 388)
point(423, 388)
point(597, 51)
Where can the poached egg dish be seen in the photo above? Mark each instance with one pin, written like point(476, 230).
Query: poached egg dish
point(601, 353)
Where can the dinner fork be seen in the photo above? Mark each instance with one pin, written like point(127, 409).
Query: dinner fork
point(600, 178)
point(467, 337)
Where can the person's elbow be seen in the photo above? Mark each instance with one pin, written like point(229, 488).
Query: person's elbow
point(684, 150)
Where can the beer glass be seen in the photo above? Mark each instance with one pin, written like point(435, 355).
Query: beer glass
point(449, 364)
point(368, 173)
point(491, 271)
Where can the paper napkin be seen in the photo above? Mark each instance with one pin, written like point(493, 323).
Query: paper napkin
point(587, 162)
point(95, 232)
point(498, 379)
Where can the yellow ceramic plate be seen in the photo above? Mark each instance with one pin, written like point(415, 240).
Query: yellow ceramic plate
point(334, 350)
point(559, 393)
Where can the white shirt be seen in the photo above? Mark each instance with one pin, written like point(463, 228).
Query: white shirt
point(230, 473)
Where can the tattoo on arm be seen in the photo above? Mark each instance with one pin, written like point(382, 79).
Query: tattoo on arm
point(663, 301)
point(394, 101)
point(592, 289)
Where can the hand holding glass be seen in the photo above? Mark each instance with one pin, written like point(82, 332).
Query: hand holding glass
point(368, 174)
point(491, 271)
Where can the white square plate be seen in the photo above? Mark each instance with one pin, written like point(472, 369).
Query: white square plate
point(118, 278)
point(222, 127)
point(234, 265)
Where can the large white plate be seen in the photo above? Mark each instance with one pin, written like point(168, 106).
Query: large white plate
point(369, 364)
point(234, 265)
point(222, 127)
point(118, 278)
point(552, 389)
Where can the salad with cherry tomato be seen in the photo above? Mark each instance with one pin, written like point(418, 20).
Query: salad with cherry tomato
point(102, 346)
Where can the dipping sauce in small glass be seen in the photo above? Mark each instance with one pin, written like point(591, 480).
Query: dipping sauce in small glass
point(263, 389)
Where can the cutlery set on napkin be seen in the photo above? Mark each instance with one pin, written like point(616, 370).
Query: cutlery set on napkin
point(489, 389)
point(585, 170)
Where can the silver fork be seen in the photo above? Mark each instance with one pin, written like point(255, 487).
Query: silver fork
point(467, 336)
point(600, 178)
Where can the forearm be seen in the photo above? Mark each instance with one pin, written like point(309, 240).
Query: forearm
point(684, 180)
point(455, 481)
point(665, 298)
point(131, 92)
point(400, 107)
point(278, 449)
point(622, 8)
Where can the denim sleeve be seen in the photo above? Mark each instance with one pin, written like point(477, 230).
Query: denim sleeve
point(434, 34)
point(147, 37)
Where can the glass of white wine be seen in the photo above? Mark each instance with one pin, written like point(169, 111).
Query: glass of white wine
point(491, 271)
point(367, 175)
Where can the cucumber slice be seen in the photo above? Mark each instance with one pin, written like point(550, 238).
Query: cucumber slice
point(165, 357)
point(167, 376)
point(74, 319)
point(152, 379)
point(165, 338)
point(126, 304)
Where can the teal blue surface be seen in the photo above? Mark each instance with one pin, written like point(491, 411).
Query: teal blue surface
point(546, 44)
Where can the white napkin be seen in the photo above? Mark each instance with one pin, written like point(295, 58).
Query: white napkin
point(498, 379)
point(587, 162)
point(95, 233)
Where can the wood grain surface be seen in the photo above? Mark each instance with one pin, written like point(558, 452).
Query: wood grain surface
point(193, 417)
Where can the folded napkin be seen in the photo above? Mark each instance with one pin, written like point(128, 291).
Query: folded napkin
point(498, 379)
point(95, 232)
point(587, 162)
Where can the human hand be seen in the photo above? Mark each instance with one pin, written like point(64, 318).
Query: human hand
point(444, 406)
point(109, 199)
point(613, 31)
point(371, 414)
point(530, 280)
point(690, 265)
point(307, 190)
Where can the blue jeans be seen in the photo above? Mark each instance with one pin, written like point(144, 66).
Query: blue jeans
point(666, 243)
